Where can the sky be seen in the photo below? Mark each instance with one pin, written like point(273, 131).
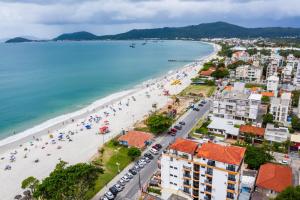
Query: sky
point(45, 19)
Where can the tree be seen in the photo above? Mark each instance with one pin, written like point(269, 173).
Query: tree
point(295, 123)
point(295, 98)
point(220, 73)
point(265, 99)
point(256, 156)
point(134, 152)
point(68, 182)
point(30, 183)
point(268, 118)
point(252, 51)
point(158, 123)
point(290, 193)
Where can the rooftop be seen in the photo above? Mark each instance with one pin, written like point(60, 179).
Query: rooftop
point(184, 145)
point(225, 124)
point(267, 94)
point(136, 138)
point(226, 154)
point(274, 177)
point(252, 130)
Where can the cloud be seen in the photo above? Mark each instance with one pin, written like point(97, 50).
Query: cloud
point(111, 16)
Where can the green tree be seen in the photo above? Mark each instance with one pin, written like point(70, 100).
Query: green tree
point(252, 51)
point(220, 73)
point(30, 183)
point(295, 123)
point(134, 152)
point(68, 182)
point(295, 98)
point(268, 118)
point(265, 99)
point(158, 123)
point(256, 156)
point(290, 193)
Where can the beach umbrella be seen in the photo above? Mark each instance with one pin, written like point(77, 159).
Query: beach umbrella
point(18, 196)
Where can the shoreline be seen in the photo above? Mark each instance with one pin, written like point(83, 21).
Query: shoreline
point(58, 122)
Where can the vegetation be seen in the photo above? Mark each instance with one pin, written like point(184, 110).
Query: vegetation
point(295, 98)
point(266, 52)
point(65, 182)
point(252, 51)
point(295, 123)
point(256, 156)
point(154, 190)
point(134, 152)
point(286, 52)
point(265, 99)
point(236, 64)
point(220, 73)
point(225, 50)
point(158, 123)
point(198, 90)
point(290, 193)
point(267, 118)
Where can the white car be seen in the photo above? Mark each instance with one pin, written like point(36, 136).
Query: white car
point(285, 162)
point(122, 182)
point(125, 178)
point(154, 151)
point(109, 195)
point(129, 175)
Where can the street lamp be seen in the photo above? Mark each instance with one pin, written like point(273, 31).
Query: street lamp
point(118, 164)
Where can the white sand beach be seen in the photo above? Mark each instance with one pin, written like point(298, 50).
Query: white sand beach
point(36, 151)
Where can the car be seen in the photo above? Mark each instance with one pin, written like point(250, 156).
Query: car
point(173, 134)
point(129, 175)
point(178, 127)
point(125, 178)
point(136, 167)
point(169, 132)
point(154, 151)
point(142, 162)
point(200, 104)
point(118, 187)
point(133, 171)
point(196, 109)
point(114, 191)
point(109, 195)
point(157, 146)
point(173, 130)
point(203, 102)
point(285, 162)
point(148, 155)
point(147, 159)
point(122, 182)
point(103, 198)
point(182, 123)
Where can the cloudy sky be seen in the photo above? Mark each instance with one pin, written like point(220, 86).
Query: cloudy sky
point(48, 18)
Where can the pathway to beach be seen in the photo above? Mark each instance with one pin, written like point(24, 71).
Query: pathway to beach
point(78, 139)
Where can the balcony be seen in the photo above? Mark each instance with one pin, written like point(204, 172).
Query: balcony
point(230, 196)
point(211, 163)
point(187, 168)
point(196, 185)
point(230, 168)
point(207, 197)
point(209, 172)
point(196, 176)
point(207, 189)
point(208, 181)
point(186, 190)
point(187, 183)
point(196, 167)
point(195, 193)
point(231, 178)
point(187, 175)
point(230, 188)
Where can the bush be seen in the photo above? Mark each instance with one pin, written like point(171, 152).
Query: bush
point(134, 152)
point(158, 123)
point(154, 190)
point(256, 156)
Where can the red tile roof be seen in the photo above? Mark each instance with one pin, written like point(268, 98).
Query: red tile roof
point(274, 177)
point(184, 145)
point(136, 138)
point(208, 72)
point(267, 94)
point(226, 154)
point(252, 130)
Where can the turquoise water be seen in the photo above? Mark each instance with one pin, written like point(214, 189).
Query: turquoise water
point(39, 81)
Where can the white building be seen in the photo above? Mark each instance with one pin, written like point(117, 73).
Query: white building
point(297, 74)
point(276, 134)
point(280, 107)
point(248, 73)
point(210, 171)
point(272, 68)
point(287, 73)
point(272, 83)
point(237, 104)
point(240, 55)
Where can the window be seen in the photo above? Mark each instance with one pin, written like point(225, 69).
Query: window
point(171, 167)
point(171, 158)
point(171, 174)
point(175, 176)
point(171, 183)
point(175, 167)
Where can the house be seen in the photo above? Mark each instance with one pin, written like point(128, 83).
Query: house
point(137, 139)
point(248, 73)
point(276, 134)
point(273, 179)
point(257, 132)
point(195, 172)
point(240, 55)
point(280, 107)
point(208, 72)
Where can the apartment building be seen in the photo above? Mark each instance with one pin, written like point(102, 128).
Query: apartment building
point(237, 104)
point(296, 80)
point(207, 171)
point(276, 134)
point(280, 107)
point(287, 73)
point(273, 83)
point(240, 55)
point(272, 68)
point(248, 73)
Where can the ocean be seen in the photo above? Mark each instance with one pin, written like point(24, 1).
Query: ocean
point(39, 81)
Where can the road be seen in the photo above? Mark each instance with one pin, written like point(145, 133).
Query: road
point(132, 189)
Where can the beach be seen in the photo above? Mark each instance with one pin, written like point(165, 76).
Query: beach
point(75, 137)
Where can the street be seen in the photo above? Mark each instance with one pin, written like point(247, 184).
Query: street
point(132, 188)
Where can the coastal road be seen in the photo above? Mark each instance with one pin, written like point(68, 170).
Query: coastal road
point(132, 189)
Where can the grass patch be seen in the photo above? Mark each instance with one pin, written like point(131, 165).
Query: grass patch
point(196, 90)
point(143, 129)
point(109, 157)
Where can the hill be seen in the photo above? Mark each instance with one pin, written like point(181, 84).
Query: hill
point(77, 36)
point(18, 40)
point(205, 30)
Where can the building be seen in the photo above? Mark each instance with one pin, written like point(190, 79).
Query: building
point(276, 134)
point(297, 74)
point(226, 127)
point(257, 132)
point(272, 68)
point(248, 73)
point(280, 107)
point(273, 179)
point(272, 83)
point(137, 139)
point(210, 171)
point(240, 55)
point(287, 73)
point(237, 104)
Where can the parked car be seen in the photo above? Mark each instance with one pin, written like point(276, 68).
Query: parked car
point(182, 123)
point(133, 171)
point(109, 195)
point(200, 104)
point(119, 187)
point(147, 159)
point(203, 101)
point(284, 162)
point(136, 167)
point(157, 146)
point(178, 127)
point(196, 109)
point(122, 182)
point(148, 155)
point(173, 134)
point(173, 130)
point(130, 175)
point(154, 151)
point(125, 178)
point(103, 198)
point(114, 191)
